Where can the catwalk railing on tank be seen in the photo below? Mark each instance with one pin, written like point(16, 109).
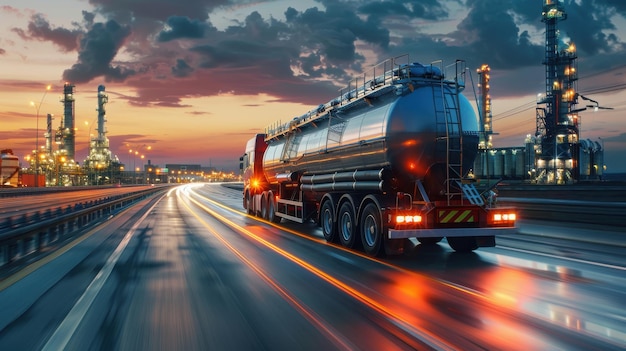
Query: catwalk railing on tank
point(26, 235)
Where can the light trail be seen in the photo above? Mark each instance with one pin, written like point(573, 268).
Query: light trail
point(397, 320)
point(564, 258)
point(481, 296)
point(310, 315)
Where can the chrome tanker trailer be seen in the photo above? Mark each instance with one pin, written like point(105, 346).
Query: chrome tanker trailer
point(385, 161)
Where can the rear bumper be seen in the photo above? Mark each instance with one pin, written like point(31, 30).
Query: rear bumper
point(449, 232)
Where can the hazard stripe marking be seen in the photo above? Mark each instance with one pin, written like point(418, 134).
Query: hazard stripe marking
point(456, 216)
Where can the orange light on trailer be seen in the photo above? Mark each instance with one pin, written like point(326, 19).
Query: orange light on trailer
point(502, 218)
point(400, 219)
point(498, 217)
point(255, 183)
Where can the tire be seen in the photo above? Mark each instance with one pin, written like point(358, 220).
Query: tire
point(429, 241)
point(264, 206)
point(463, 243)
point(346, 225)
point(372, 230)
point(248, 204)
point(327, 222)
point(271, 210)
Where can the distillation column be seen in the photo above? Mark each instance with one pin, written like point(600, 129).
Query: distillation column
point(100, 163)
point(557, 131)
point(69, 129)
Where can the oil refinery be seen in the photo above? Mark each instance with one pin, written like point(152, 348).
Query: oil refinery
point(555, 154)
point(54, 164)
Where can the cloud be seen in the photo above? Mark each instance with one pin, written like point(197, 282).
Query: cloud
point(304, 56)
point(182, 69)
point(426, 9)
point(12, 11)
point(2, 51)
point(39, 29)
point(98, 48)
point(182, 27)
point(125, 11)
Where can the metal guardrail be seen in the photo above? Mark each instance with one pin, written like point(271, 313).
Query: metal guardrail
point(25, 235)
point(26, 191)
point(607, 213)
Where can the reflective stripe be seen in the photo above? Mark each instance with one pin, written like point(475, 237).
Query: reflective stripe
point(456, 216)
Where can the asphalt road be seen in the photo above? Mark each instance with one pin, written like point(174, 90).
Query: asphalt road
point(191, 271)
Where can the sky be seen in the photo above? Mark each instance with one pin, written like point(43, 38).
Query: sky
point(195, 79)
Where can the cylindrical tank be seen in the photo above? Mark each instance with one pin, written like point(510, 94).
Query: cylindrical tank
point(397, 130)
point(9, 167)
point(519, 163)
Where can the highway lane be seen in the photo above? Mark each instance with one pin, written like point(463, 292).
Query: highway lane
point(195, 274)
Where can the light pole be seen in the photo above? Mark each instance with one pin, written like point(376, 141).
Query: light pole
point(32, 103)
point(135, 151)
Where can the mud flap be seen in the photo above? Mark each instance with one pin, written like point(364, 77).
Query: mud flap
point(486, 241)
point(396, 247)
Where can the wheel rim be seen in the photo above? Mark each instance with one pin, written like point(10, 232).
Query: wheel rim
point(370, 231)
point(327, 222)
point(346, 226)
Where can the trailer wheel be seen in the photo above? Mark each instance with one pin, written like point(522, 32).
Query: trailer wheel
point(264, 206)
point(247, 203)
point(463, 243)
point(271, 210)
point(371, 228)
point(327, 222)
point(347, 226)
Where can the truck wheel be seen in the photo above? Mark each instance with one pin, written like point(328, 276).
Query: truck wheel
point(271, 210)
point(264, 206)
point(327, 222)
point(347, 226)
point(247, 203)
point(463, 243)
point(371, 228)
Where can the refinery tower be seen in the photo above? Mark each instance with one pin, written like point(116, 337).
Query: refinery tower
point(66, 135)
point(100, 163)
point(559, 156)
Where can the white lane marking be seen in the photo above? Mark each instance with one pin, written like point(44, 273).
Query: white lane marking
point(605, 265)
point(65, 331)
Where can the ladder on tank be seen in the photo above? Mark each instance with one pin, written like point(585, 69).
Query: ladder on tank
point(449, 131)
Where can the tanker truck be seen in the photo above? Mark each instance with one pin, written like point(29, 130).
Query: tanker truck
point(385, 161)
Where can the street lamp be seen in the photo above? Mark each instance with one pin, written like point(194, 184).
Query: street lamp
point(135, 151)
point(32, 103)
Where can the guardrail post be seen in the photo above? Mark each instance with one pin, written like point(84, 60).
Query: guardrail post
point(19, 250)
point(34, 243)
point(4, 254)
point(52, 234)
point(43, 239)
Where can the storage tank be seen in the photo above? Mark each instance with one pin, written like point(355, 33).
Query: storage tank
point(9, 169)
point(398, 128)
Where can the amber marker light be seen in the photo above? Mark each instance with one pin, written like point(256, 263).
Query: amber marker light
point(502, 218)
